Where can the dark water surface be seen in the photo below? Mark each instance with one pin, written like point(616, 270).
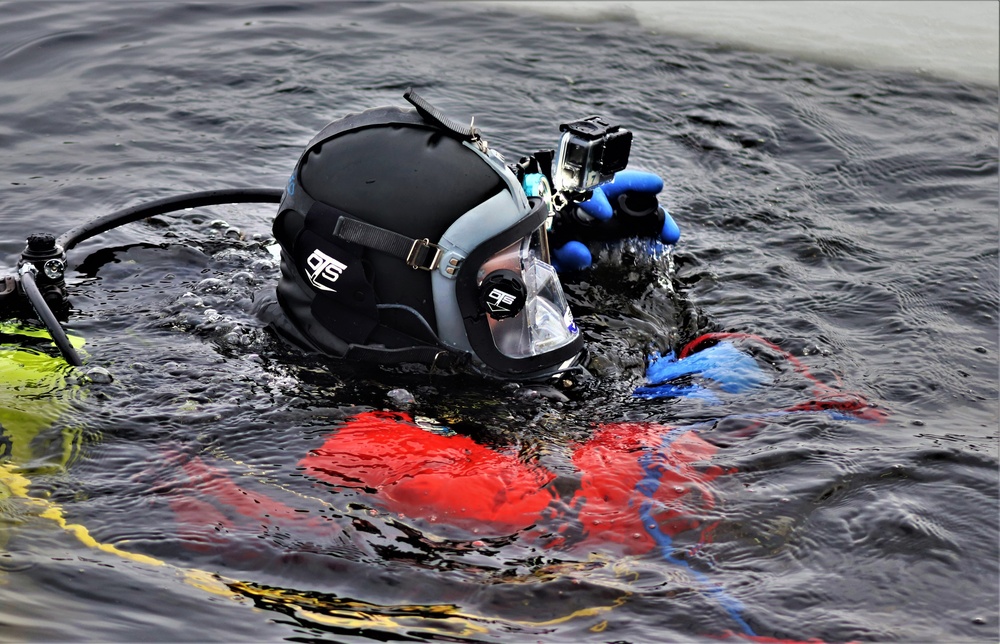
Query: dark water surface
point(849, 216)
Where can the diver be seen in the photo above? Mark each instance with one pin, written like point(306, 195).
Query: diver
point(406, 238)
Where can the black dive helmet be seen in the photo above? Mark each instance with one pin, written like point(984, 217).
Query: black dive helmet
point(405, 239)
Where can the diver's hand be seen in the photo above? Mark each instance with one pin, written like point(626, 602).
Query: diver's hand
point(625, 207)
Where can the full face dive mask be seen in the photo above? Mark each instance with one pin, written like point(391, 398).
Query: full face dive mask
point(405, 239)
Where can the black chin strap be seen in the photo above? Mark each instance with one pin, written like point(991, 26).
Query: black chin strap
point(436, 357)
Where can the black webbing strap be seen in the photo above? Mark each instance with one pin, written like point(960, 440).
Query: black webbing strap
point(429, 355)
point(417, 253)
point(433, 114)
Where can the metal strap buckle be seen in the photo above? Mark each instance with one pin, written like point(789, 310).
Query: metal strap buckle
point(418, 252)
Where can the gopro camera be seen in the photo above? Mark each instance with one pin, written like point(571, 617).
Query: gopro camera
point(591, 151)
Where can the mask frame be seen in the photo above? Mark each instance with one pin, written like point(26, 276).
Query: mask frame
point(476, 320)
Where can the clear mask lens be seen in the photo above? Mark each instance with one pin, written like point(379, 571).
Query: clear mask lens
point(545, 323)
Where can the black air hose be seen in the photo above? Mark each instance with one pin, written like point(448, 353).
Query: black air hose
point(97, 226)
point(44, 313)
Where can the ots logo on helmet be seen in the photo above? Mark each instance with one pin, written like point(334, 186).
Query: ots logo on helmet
point(502, 294)
point(324, 270)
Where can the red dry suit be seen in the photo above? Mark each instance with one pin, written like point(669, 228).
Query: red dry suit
point(452, 480)
point(635, 485)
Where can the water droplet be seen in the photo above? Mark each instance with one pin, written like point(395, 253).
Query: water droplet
point(401, 397)
point(190, 299)
point(263, 266)
point(211, 285)
point(242, 278)
point(100, 376)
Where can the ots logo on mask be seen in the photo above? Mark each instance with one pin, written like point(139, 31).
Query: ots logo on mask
point(323, 270)
point(498, 300)
point(502, 295)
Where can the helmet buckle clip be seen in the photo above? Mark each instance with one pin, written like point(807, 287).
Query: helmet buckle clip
point(419, 253)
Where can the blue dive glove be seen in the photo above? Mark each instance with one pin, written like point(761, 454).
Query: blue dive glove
point(724, 365)
point(625, 207)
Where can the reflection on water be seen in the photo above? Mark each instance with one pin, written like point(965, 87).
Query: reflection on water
point(955, 40)
point(221, 486)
